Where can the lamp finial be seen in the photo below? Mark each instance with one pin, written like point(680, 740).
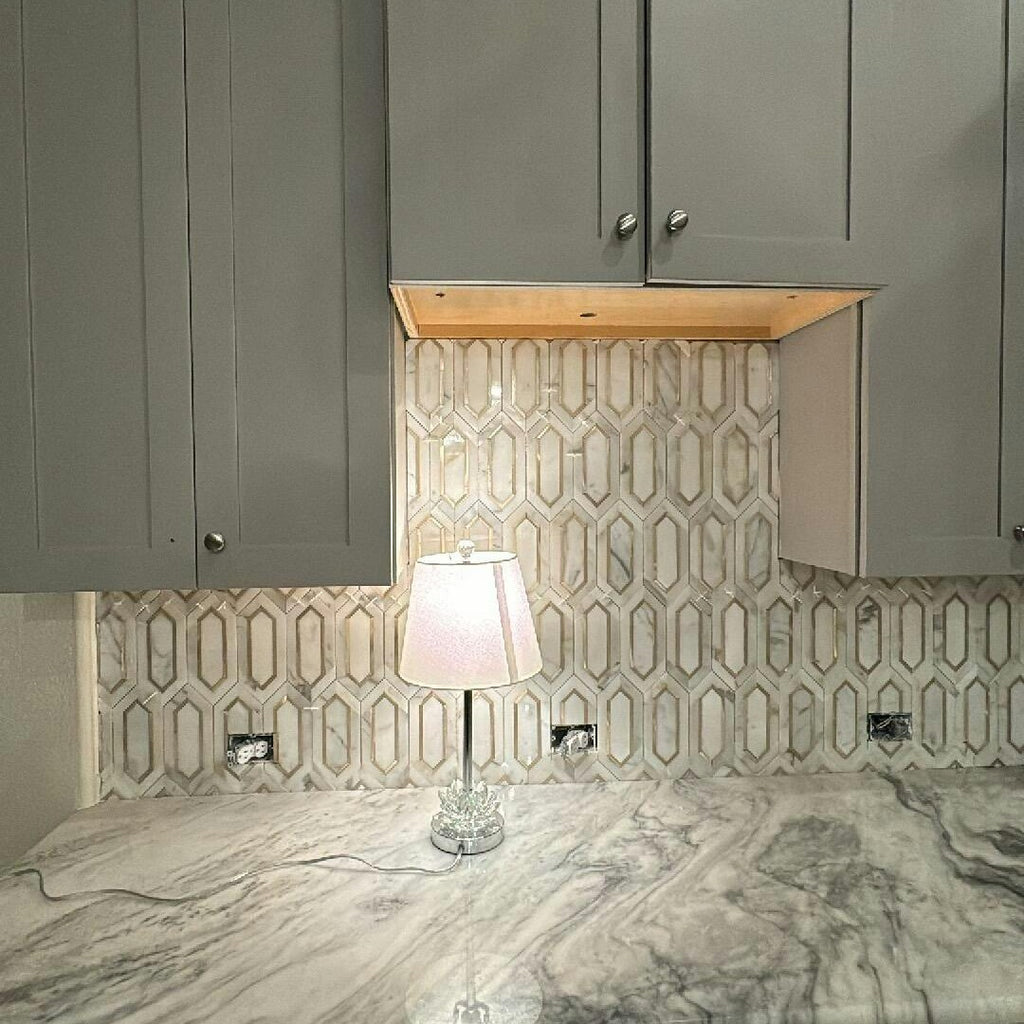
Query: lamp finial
point(466, 549)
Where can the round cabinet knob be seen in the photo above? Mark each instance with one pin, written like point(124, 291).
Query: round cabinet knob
point(626, 225)
point(215, 542)
point(1018, 533)
point(676, 221)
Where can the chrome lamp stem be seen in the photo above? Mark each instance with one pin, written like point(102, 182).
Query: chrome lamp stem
point(469, 816)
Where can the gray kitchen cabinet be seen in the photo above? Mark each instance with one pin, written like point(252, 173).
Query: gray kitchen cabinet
point(917, 382)
point(291, 322)
point(765, 132)
point(1012, 464)
point(95, 418)
point(195, 328)
point(515, 133)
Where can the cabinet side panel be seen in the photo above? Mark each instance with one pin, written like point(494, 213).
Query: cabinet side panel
point(818, 453)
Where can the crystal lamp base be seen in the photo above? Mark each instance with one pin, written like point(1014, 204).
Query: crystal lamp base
point(469, 818)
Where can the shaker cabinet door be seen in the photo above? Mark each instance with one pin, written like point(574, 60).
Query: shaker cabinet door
point(95, 402)
point(1012, 511)
point(290, 311)
point(932, 341)
point(515, 140)
point(759, 143)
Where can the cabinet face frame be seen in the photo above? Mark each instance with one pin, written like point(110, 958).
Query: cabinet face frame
point(95, 407)
point(293, 388)
point(516, 141)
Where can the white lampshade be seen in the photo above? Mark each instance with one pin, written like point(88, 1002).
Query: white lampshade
point(469, 624)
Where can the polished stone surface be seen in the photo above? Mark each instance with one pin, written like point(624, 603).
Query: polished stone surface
point(828, 899)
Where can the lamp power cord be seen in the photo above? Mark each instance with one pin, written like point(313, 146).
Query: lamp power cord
point(233, 881)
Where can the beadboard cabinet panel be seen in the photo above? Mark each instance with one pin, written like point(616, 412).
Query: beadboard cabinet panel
point(291, 316)
point(515, 140)
point(96, 457)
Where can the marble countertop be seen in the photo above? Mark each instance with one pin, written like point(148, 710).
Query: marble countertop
point(826, 899)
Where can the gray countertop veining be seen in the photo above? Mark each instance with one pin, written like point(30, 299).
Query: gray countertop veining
point(827, 899)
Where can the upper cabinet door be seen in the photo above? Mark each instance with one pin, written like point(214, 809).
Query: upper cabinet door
point(1012, 490)
point(95, 403)
point(291, 318)
point(758, 137)
point(515, 147)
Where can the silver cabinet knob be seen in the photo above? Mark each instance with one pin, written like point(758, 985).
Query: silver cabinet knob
point(1018, 533)
point(215, 542)
point(626, 225)
point(677, 220)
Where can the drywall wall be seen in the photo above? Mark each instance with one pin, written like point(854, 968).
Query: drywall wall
point(39, 718)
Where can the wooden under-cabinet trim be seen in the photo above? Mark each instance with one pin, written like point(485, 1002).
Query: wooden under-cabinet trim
point(534, 311)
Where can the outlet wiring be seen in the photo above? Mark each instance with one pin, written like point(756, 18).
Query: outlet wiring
point(234, 880)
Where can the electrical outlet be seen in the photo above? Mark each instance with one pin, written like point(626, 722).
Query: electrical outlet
point(573, 739)
point(250, 748)
point(890, 725)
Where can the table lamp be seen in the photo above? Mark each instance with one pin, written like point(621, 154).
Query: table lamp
point(468, 627)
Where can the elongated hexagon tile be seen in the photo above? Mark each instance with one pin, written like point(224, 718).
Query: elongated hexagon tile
point(757, 380)
point(689, 462)
point(644, 634)
point(621, 733)
point(642, 465)
point(336, 737)
point(596, 629)
point(638, 481)
point(429, 380)
point(549, 472)
point(846, 702)
point(525, 381)
point(666, 380)
point(478, 380)
point(384, 718)
point(666, 730)
point(712, 726)
point(434, 722)
point(573, 554)
point(595, 461)
point(666, 550)
point(211, 630)
point(620, 542)
point(527, 531)
point(735, 473)
point(360, 642)
point(160, 636)
point(115, 644)
point(688, 647)
point(620, 380)
point(262, 645)
point(573, 380)
point(188, 738)
point(757, 722)
point(802, 719)
point(712, 381)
